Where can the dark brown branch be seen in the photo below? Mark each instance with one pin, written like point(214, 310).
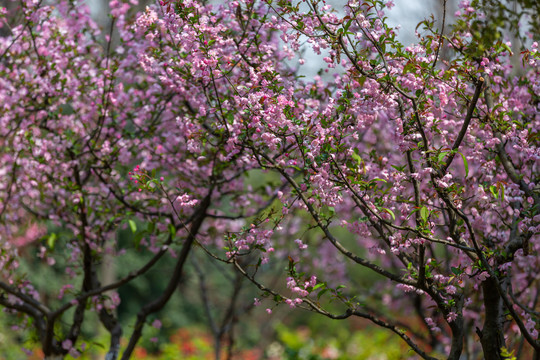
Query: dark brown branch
point(465, 126)
point(25, 298)
point(25, 308)
point(513, 175)
point(422, 248)
point(535, 344)
point(162, 300)
point(314, 307)
point(113, 326)
point(204, 296)
point(394, 329)
point(441, 38)
point(330, 236)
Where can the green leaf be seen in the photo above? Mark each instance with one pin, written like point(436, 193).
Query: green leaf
point(442, 154)
point(409, 68)
point(507, 48)
point(456, 271)
point(424, 213)
point(466, 164)
point(172, 230)
point(51, 240)
point(348, 25)
point(321, 293)
point(412, 212)
point(494, 192)
point(358, 159)
point(137, 240)
point(399, 168)
point(318, 286)
point(133, 226)
point(362, 80)
point(390, 212)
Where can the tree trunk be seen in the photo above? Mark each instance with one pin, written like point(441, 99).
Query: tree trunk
point(457, 339)
point(492, 336)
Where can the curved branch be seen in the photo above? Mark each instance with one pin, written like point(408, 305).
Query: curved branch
point(162, 300)
point(25, 299)
point(314, 307)
point(330, 236)
point(465, 126)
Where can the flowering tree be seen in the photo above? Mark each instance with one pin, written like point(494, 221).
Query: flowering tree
point(77, 115)
point(418, 169)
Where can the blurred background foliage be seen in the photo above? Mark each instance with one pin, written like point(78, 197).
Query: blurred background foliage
point(318, 339)
point(200, 305)
point(516, 18)
point(517, 21)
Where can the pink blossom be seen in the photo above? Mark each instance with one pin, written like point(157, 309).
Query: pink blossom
point(67, 344)
point(156, 324)
point(451, 316)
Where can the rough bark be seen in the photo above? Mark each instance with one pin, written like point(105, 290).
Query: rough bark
point(457, 327)
point(491, 335)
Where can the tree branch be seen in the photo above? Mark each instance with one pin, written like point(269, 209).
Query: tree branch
point(162, 300)
point(465, 126)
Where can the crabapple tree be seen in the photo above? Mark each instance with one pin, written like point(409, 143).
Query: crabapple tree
point(92, 141)
point(398, 184)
